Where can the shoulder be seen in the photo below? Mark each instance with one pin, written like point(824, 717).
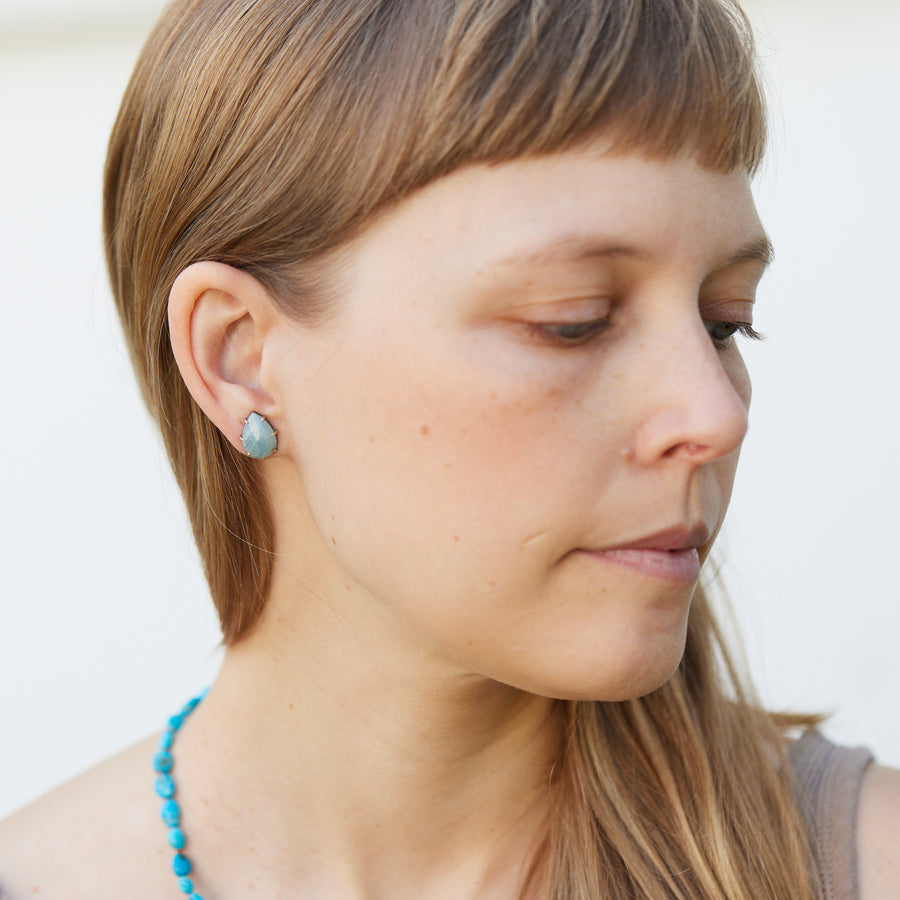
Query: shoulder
point(879, 834)
point(94, 837)
point(852, 810)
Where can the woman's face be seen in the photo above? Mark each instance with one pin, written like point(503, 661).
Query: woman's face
point(531, 366)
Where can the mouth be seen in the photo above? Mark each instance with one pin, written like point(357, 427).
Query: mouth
point(671, 555)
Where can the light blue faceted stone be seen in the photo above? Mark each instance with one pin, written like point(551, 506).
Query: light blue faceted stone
point(176, 839)
point(171, 813)
point(162, 761)
point(258, 437)
point(165, 787)
point(166, 739)
point(181, 865)
point(185, 885)
point(195, 897)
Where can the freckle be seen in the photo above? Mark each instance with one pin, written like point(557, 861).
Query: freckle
point(424, 430)
point(456, 538)
point(291, 707)
point(333, 541)
point(347, 586)
point(492, 583)
point(332, 517)
point(446, 465)
point(371, 439)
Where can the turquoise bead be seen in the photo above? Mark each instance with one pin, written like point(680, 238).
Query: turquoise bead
point(258, 437)
point(163, 762)
point(165, 787)
point(171, 813)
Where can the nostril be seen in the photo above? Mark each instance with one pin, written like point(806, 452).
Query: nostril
point(687, 449)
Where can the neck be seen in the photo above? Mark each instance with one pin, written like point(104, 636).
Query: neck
point(361, 771)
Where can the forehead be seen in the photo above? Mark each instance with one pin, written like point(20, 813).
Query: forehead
point(579, 204)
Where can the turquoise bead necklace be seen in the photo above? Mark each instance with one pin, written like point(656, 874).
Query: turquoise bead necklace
point(165, 788)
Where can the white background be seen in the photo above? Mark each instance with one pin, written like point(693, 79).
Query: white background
point(105, 625)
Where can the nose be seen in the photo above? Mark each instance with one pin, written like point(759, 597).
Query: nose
point(694, 405)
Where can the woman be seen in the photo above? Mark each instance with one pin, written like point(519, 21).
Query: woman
point(436, 306)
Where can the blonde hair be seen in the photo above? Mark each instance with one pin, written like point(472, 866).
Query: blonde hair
point(265, 133)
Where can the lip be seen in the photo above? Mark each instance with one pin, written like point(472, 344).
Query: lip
point(681, 566)
point(670, 555)
point(681, 537)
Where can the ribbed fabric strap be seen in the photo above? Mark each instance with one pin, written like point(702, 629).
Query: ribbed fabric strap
point(828, 785)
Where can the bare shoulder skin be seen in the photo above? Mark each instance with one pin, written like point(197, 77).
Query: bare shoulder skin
point(97, 836)
point(879, 835)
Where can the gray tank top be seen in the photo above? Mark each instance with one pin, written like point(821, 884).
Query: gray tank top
point(828, 785)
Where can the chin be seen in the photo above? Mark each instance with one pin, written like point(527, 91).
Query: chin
point(625, 689)
point(627, 674)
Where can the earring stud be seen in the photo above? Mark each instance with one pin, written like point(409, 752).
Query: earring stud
point(258, 437)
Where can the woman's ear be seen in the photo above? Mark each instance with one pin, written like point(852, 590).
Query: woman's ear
point(219, 320)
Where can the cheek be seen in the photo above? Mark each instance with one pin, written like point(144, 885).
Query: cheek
point(726, 468)
point(445, 471)
point(740, 377)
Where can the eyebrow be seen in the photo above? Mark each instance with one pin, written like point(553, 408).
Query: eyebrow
point(759, 249)
point(573, 248)
point(577, 248)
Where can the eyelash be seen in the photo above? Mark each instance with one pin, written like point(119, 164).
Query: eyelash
point(733, 328)
point(568, 334)
point(574, 334)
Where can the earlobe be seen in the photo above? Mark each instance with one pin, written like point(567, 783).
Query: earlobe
point(219, 319)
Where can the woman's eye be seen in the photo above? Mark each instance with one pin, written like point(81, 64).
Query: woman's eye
point(722, 332)
point(568, 333)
